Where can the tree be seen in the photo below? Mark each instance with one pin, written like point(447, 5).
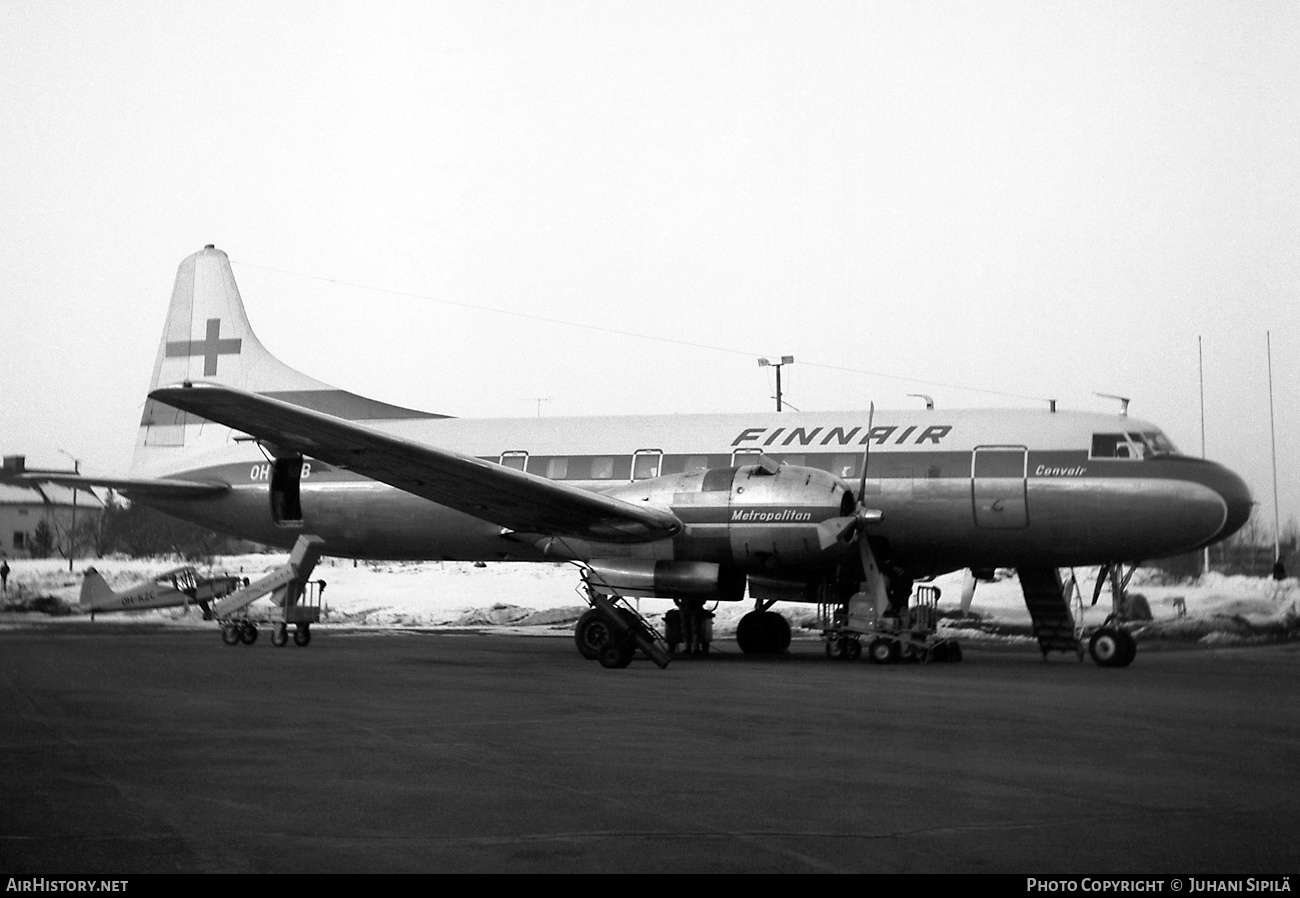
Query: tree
point(41, 541)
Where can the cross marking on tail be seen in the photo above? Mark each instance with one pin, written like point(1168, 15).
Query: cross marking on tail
point(210, 347)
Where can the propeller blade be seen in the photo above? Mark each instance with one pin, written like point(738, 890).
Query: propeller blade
point(968, 582)
point(873, 581)
point(866, 454)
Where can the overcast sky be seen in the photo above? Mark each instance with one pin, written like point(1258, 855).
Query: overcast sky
point(1028, 200)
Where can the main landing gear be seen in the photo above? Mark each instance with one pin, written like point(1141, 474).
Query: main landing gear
point(763, 632)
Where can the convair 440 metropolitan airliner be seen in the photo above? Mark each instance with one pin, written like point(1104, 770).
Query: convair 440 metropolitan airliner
point(802, 507)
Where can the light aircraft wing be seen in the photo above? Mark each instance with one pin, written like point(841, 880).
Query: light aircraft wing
point(514, 499)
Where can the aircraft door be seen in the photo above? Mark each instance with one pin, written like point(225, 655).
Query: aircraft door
point(998, 487)
point(286, 478)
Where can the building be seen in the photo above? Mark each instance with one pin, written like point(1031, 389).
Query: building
point(22, 508)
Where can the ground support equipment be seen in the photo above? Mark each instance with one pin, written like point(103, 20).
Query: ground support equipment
point(612, 631)
point(910, 635)
point(1056, 626)
point(298, 599)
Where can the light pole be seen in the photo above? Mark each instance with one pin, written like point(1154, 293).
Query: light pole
point(785, 360)
point(72, 534)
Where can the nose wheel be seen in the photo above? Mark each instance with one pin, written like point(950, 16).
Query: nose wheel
point(1112, 647)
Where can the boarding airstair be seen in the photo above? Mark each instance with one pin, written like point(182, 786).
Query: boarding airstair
point(1046, 597)
point(297, 599)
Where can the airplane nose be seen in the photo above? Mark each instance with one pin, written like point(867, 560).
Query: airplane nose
point(1236, 498)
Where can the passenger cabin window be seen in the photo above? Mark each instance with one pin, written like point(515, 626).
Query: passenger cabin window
point(557, 468)
point(696, 463)
point(516, 460)
point(646, 464)
point(602, 468)
point(845, 465)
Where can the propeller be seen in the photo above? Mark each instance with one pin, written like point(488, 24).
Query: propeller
point(872, 578)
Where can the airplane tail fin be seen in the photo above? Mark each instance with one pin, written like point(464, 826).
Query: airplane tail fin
point(207, 338)
point(95, 591)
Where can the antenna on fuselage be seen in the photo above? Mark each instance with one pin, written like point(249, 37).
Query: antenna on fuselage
point(1123, 401)
point(929, 402)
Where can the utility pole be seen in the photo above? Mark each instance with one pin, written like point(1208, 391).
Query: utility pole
point(72, 534)
point(785, 360)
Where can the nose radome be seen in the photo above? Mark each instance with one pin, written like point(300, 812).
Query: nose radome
point(1236, 497)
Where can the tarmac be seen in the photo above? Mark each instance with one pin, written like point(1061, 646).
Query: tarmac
point(139, 750)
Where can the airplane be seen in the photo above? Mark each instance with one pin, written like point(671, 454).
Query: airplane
point(170, 589)
point(789, 507)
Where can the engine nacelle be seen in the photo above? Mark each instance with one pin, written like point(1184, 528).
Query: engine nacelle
point(755, 517)
point(704, 580)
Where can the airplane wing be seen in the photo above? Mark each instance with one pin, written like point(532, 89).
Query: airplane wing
point(162, 488)
point(514, 499)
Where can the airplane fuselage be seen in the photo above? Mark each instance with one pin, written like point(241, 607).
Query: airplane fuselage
point(953, 489)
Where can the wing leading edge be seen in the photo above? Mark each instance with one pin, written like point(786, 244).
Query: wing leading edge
point(515, 500)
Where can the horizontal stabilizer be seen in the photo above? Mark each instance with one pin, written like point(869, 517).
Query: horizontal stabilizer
point(132, 487)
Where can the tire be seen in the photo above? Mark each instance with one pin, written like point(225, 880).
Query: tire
point(229, 635)
point(301, 636)
point(1106, 647)
point(882, 651)
point(778, 631)
point(939, 654)
point(1128, 646)
point(248, 634)
point(616, 656)
point(954, 652)
point(853, 649)
point(280, 636)
point(591, 634)
point(750, 634)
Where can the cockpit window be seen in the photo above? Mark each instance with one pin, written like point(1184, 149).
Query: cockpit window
point(1159, 444)
point(1112, 445)
point(1133, 445)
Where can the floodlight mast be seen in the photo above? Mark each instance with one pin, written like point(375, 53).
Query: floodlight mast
point(785, 360)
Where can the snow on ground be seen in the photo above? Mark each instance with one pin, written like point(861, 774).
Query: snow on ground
point(545, 598)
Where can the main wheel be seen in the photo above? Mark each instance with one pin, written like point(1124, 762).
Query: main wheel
point(751, 634)
point(591, 634)
point(852, 648)
point(939, 654)
point(248, 634)
point(1107, 648)
point(301, 635)
point(280, 636)
point(229, 634)
point(882, 651)
point(778, 631)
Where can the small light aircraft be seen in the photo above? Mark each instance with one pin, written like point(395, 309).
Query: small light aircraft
point(180, 586)
point(794, 507)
